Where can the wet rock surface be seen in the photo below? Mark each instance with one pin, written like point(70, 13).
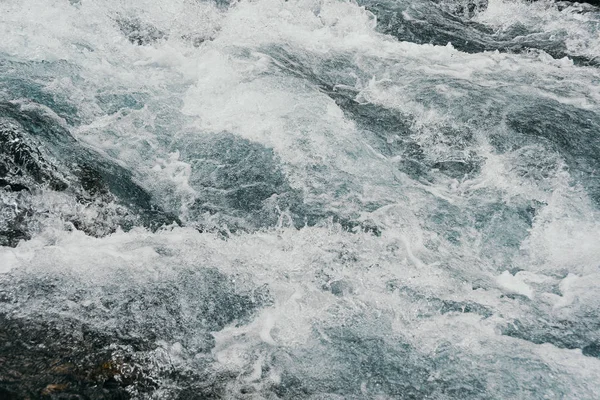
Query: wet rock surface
point(157, 325)
point(38, 155)
point(473, 176)
point(41, 360)
point(68, 360)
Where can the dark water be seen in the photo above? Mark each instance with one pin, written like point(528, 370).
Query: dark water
point(299, 200)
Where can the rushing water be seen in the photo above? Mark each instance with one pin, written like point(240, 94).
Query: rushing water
point(302, 199)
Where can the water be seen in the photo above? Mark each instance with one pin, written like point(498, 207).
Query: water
point(299, 200)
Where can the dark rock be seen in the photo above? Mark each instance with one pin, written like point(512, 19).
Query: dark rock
point(46, 361)
point(37, 154)
point(85, 355)
point(591, 350)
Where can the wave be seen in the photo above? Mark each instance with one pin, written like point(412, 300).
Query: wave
point(299, 199)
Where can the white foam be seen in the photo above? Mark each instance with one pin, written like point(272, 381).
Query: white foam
point(397, 284)
point(515, 284)
point(8, 260)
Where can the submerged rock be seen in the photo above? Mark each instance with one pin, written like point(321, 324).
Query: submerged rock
point(427, 22)
point(239, 182)
point(120, 340)
point(47, 361)
point(39, 155)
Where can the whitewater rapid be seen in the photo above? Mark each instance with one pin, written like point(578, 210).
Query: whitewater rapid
point(303, 199)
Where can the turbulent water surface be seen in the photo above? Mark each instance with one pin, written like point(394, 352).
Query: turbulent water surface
point(302, 199)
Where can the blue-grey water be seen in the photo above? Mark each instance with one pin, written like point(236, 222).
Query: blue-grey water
point(302, 199)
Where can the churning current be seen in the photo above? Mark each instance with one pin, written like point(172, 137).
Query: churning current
point(301, 199)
